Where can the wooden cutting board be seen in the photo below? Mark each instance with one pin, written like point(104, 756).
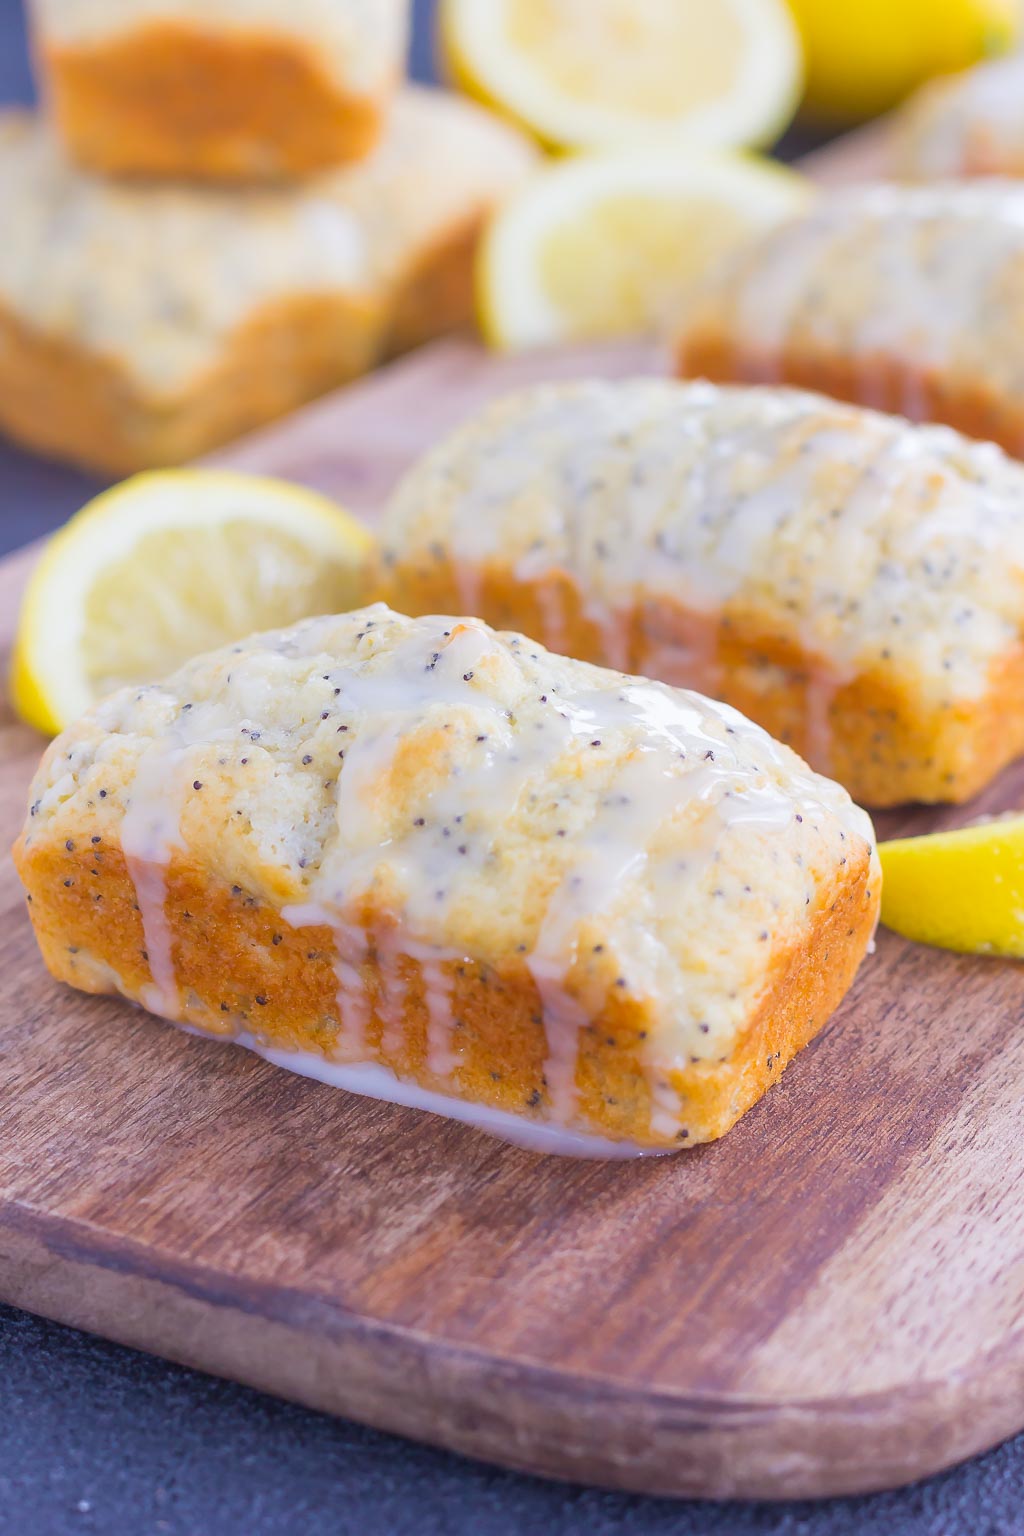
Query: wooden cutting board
point(829, 1300)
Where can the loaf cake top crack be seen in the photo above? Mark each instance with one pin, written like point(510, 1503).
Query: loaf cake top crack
point(871, 543)
point(488, 799)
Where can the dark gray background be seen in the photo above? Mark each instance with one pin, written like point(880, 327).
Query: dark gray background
point(98, 1439)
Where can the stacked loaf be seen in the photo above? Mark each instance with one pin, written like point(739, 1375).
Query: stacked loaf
point(220, 88)
point(145, 319)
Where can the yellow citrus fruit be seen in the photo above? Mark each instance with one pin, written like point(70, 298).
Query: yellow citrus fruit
point(864, 58)
point(583, 74)
point(169, 564)
point(605, 245)
point(960, 890)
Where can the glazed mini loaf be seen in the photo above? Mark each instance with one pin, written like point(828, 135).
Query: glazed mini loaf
point(853, 583)
point(584, 904)
point(225, 89)
point(971, 124)
point(907, 299)
point(144, 325)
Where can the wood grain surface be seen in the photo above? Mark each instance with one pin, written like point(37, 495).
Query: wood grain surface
point(829, 1300)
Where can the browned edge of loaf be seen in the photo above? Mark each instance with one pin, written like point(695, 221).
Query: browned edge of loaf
point(880, 381)
point(169, 99)
point(238, 960)
point(64, 400)
point(882, 744)
point(435, 294)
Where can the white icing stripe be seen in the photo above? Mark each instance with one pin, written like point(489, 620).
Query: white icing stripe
point(441, 1058)
point(860, 540)
point(150, 831)
point(351, 955)
point(393, 998)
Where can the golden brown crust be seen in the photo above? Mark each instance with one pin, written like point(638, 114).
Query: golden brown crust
point(173, 100)
point(436, 295)
point(881, 381)
point(59, 399)
point(881, 743)
point(243, 966)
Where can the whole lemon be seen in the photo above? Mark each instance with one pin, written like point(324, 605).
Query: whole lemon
point(865, 56)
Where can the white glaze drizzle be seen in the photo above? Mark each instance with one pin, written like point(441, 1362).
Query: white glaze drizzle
point(351, 957)
point(675, 766)
point(861, 540)
point(150, 832)
point(883, 270)
point(438, 674)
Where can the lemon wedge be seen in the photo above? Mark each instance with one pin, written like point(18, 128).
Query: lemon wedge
point(960, 890)
point(169, 564)
point(589, 73)
point(605, 245)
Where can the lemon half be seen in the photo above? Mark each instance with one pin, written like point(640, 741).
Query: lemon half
point(961, 890)
point(606, 244)
point(585, 73)
point(170, 564)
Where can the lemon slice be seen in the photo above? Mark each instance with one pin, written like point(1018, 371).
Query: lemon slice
point(606, 245)
point(167, 565)
point(588, 73)
point(960, 890)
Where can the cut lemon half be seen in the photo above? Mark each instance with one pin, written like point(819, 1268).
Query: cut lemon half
point(960, 890)
point(170, 564)
point(606, 245)
point(589, 73)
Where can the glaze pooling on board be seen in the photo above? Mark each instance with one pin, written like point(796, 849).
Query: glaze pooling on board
point(437, 796)
point(378, 1082)
point(869, 544)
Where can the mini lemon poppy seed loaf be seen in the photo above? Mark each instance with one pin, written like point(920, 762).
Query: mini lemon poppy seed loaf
point(970, 124)
point(852, 582)
point(904, 298)
point(584, 905)
point(224, 89)
point(142, 325)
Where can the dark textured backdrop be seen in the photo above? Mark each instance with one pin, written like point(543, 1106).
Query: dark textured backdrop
point(100, 1441)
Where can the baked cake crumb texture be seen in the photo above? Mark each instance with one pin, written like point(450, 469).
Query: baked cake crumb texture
point(856, 543)
point(444, 802)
